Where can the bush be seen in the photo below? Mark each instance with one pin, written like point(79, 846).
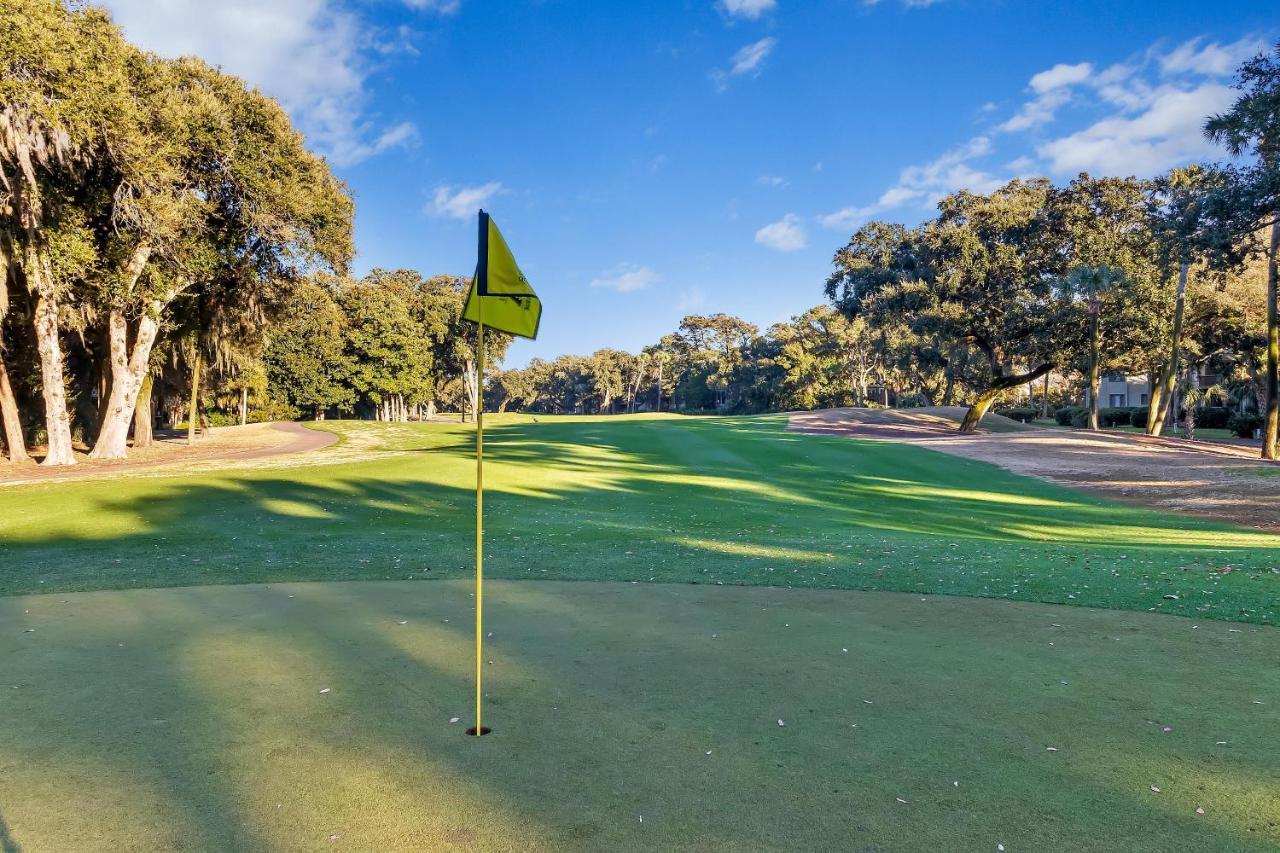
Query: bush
point(1139, 416)
point(1119, 416)
point(1244, 425)
point(1025, 414)
point(1080, 418)
point(1066, 414)
point(1213, 417)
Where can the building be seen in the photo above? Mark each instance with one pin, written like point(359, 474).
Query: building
point(1118, 390)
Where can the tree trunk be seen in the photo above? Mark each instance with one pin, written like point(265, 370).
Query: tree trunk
point(949, 392)
point(1095, 370)
point(1001, 383)
point(1162, 394)
point(1044, 400)
point(244, 405)
point(57, 422)
point(9, 414)
point(1271, 422)
point(128, 371)
point(431, 409)
point(143, 434)
point(194, 415)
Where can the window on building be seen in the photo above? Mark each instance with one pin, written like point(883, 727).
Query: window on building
point(1143, 400)
point(1117, 400)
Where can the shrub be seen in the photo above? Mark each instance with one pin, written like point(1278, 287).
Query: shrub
point(1139, 415)
point(1025, 414)
point(1080, 418)
point(1119, 416)
point(1213, 417)
point(1065, 414)
point(1244, 425)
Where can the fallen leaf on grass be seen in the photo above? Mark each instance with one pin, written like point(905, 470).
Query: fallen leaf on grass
point(1154, 789)
point(324, 689)
point(904, 802)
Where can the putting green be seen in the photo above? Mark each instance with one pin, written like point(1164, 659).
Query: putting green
point(628, 716)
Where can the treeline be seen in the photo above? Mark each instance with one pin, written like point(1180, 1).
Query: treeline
point(391, 346)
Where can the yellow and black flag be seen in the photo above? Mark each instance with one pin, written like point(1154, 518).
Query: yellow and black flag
point(501, 297)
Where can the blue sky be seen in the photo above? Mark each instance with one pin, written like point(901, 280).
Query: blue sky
point(650, 160)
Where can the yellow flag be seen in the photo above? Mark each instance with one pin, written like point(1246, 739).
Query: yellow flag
point(510, 305)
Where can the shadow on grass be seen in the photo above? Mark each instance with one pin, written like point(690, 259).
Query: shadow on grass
point(207, 729)
point(700, 500)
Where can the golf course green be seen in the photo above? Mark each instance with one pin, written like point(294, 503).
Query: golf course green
point(721, 685)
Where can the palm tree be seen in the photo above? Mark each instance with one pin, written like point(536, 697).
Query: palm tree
point(1089, 286)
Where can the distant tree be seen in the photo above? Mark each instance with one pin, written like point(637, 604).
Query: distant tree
point(306, 363)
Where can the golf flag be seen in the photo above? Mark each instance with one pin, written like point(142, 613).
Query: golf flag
point(510, 305)
point(501, 299)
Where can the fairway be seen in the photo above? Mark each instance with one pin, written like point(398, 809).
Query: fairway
point(628, 717)
point(644, 498)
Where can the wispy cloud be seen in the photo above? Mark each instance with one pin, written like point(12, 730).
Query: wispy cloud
point(924, 184)
point(785, 235)
point(749, 60)
point(462, 202)
point(625, 278)
point(443, 7)
point(772, 181)
point(748, 9)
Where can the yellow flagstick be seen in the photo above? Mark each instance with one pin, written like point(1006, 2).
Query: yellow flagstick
point(479, 512)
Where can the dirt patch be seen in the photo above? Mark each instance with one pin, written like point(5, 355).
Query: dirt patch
point(172, 454)
point(1220, 480)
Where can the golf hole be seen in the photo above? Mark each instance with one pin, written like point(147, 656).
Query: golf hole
point(484, 730)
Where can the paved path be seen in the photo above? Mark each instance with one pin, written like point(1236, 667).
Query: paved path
point(254, 441)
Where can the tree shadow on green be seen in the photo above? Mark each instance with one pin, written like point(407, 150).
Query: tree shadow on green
point(606, 699)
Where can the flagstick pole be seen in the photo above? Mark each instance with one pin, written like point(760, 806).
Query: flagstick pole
point(479, 512)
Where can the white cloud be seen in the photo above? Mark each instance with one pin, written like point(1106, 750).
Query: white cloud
point(462, 202)
point(748, 9)
point(1052, 90)
point(910, 4)
point(308, 54)
point(1211, 60)
point(1059, 76)
point(772, 181)
point(785, 235)
point(1167, 132)
point(750, 57)
point(626, 278)
point(924, 183)
point(748, 60)
point(442, 7)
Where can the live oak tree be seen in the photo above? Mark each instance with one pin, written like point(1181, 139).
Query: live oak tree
point(1252, 125)
point(992, 261)
point(63, 86)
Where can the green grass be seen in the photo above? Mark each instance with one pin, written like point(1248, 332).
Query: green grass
point(665, 499)
point(193, 719)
